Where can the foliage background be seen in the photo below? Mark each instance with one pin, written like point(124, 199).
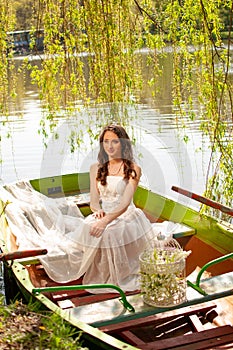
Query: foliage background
point(110, 32)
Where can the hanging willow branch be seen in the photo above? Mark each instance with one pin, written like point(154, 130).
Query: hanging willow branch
point(6, 64)
point(149, 16)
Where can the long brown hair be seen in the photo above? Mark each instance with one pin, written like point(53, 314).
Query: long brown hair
point(126, 154)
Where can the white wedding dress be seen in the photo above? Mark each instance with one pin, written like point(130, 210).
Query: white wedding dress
point(58, 225)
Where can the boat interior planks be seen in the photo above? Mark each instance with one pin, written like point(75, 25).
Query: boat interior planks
point(206, 339)
point(185, 328)
point(176, 329)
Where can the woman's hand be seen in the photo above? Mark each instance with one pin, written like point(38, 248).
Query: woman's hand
point(99, 214)
point(97, 228)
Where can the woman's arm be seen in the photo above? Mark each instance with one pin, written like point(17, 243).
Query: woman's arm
point(94, 193)
point(99, 226)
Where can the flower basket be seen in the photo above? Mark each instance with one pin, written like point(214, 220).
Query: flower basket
point(162, 271)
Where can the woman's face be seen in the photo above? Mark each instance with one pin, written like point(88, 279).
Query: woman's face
point(112, 145)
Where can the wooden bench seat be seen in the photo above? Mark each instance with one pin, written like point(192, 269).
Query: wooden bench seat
point(157, 318)
point(207, 339)
point(218, 284)
point(163, 328)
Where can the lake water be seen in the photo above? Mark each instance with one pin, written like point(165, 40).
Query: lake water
point(165, 158)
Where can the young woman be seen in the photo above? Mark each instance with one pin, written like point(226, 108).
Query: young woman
point(121, 228)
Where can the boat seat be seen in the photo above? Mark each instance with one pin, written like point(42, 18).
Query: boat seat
point(183, 230)
point(156, 318)
point(214, 337)
point(218, 284)
point(195, 319)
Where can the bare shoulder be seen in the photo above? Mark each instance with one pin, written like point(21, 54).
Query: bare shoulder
point(94, 168)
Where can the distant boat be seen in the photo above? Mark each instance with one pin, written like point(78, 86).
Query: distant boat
point(120, 320)
point(20, 42)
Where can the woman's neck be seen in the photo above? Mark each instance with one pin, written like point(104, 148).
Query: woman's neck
point(115, 167)
point(115, 161)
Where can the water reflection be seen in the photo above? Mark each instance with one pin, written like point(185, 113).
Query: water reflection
point(165, 158)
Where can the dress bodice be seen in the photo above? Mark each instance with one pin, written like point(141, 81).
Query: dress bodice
point(112, 192)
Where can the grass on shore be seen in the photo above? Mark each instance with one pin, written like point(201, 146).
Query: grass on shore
point(25, 327)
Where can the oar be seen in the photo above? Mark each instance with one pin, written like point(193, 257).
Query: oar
point(204, 200)
point(20, 254)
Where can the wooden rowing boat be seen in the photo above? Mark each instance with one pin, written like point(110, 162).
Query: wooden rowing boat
point(119, 321)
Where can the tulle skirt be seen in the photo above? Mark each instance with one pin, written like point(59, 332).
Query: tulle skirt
point(57, 225)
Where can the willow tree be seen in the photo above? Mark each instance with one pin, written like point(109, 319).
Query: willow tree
point(7, 21)
point(202, 62)
point(110, 34)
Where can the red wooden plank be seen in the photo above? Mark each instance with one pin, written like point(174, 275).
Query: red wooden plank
point(196, 323)
point(82, 297)
point(131, 338)
point(165, 316)
point(200, 340)
point(204, 200)
point(86, 299)
point(69, 294)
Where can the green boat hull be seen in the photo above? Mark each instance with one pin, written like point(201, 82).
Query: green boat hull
point(212, 231)
point(205, 230)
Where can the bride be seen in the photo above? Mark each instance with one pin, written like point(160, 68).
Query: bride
point(121, 228)
point(104, 247)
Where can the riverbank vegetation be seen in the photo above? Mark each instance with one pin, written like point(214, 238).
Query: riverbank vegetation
point(113, 36)
point(25, 327)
